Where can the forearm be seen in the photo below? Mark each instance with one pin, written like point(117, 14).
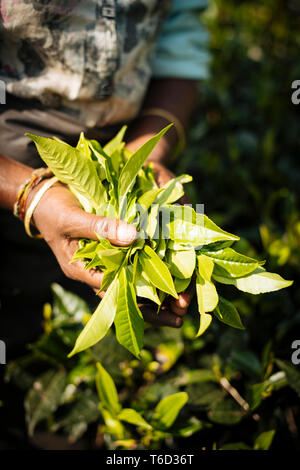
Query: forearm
point(12, 175)
point(177, 96)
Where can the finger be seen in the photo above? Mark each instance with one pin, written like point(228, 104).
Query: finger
point(84, 225)
point(180, 311)
point(76, 269)
point(100, 294)
point(180, 306)
point(161, 174)
point(163, 318)
point(92, 277)
point(184, 200)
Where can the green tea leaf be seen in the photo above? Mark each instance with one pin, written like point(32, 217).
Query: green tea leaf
point(205, 267)
point(173, 190)
point(205, 320)
point(132, 214)
point(111, 258)
point(115, 143)
point(207, 295)
point(83, 145)
point(145, 289)
point(129, 321)
point(168, 353)
point(94, 263)
point(181, 263)
point(44, 397)
point(88, 251)
point(161, 248)
point(227, 313)
point(202, 233)
point(213, 233)
point(246, 361)
point(145, 180)
point(133, 417)
point(113, 426)
point(235, 264)
point(133, 165)
point(152, 222)
point(264, 440)
point(168, 409)
point(148, 198)
point(157, 271)
point(107, 391)
point(261, 390)
point(181, 284)
point(101, 320)
point(178, 246)
point(207, 298)
point(71, 167)
point(258, 282)
point(204, 394)
point(97, 151)
point(107, 279)
point(110, 172)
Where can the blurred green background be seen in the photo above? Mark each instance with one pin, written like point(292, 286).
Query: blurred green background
point(244, 143)
point(243, 152)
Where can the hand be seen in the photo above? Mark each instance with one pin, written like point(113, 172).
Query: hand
point(62, 222)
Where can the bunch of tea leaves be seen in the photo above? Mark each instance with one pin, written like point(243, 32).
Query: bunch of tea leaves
point(175, 244)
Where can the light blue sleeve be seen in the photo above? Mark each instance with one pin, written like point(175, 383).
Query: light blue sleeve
point(182, 47)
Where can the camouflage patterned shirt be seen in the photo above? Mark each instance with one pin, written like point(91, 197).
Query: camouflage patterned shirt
point(92, 58)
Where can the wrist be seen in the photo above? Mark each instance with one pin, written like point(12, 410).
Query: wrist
point(39, 208)
point(26, 189)
point(12, 176)
point(146, 127)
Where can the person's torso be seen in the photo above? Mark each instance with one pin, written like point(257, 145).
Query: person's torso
point(89, 56)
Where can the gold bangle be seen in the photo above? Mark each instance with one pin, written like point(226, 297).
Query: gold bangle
point(34, 203)
point(168, 116)
point(36, 177)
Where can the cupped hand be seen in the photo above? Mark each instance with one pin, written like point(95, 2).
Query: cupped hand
point(62, 222)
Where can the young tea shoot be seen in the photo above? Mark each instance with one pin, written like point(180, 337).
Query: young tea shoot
point(176, 244)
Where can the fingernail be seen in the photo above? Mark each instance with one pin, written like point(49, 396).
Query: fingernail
point(126, 233)
point(182, 301)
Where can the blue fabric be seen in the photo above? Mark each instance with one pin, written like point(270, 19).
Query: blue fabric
point(181, 50)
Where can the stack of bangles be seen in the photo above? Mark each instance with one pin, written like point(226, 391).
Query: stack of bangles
point(20, 210)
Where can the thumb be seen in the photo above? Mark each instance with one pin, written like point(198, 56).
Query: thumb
point(85, 225)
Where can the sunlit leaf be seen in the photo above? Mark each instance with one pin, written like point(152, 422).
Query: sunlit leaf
point(258, 282)
point(101, 320)
point(107, 390)
point(167, 410)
